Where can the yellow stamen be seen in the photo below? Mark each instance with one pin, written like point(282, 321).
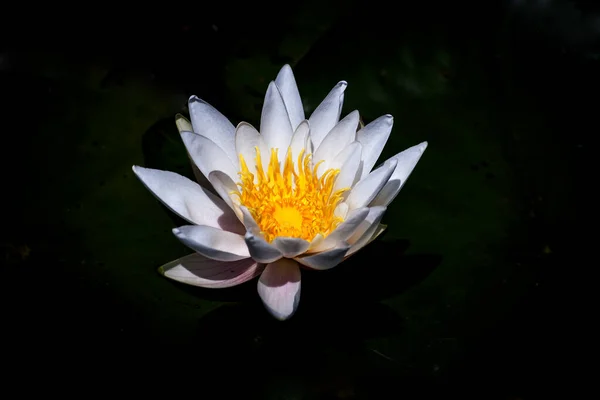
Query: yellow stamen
point(294, 202)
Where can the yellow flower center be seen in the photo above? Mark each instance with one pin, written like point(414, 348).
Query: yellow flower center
point(291, 201)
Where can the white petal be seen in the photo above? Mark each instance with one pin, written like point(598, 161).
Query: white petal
point(407, 160)
point(225, 186)
point(212, 242)
point(366, 229)
point(259, 248)
point(299, 140)
point(210, 123)
point(348, 161)
point(336, 140)
point(247, 139)
point(184, 125)
point(198, 270)
point(327, 114)
point(286, 83)
point(207, 155)
point(326, 259)
point(290, 247)
point(274, 122)
point(343, 231)
point(188, 199)
point(367, 188)
point(279, 288)
point(373, 138)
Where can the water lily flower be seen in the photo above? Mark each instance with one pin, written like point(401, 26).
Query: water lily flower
point(299, 192)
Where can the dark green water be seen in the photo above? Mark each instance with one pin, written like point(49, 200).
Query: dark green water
point(466, 288)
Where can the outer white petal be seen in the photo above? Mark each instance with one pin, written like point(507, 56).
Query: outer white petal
point(198, 270)
point(300, 140)
point(366, 189)
point(210, 123)
point(373, 138)
point(212, 242)
point(274, 121)
point(348, 161)
point(407, 160)
point(207, 155)
point(188, 199)
point(259, 248)
point(279, 288)
point(286, 83)
point(336, 140)
point(327, 114)
point(366, 229)
point(326, 259)
point(343, 231)
point(247, 139)
point(290, 247)
point(183, 125)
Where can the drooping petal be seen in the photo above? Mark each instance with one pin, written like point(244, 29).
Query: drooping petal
point(407, 160)
point(366, 189)
point(300, 140)
point(373, 138)
point(279, 288)
point(183, 125)
point(275, 124)
point(290, 247)
point(247, 139)
point(212, 242)
point(343, 231)
point(286, 83)
point(259, 248)
point(210, 123)
point(207, 155)
point(326, 259)
point(365, 230)
point(340, 136)
point(327, 114)
point(197, 270)
point(188, 199)
point(348, 162)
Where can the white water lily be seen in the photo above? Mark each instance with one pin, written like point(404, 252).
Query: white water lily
point(299, 193)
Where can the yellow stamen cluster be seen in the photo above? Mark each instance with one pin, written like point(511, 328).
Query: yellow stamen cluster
point(291, 201)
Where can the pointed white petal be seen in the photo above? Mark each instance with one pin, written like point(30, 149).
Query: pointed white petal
point(299, 140)
point(336, 140)
point(343, 231)
point(188, 199)
point(290, 247)
point(366, 229)
point(247, 139)
point(367, 188)
point(226, 188)
point(183, 125)
point(198, 270)
point(326, 259)
point(348, 161)
point(207, 155)
point(274, 121)
point(407, 160)
point(373, 138)
point(279, 288)
point(327, 114)
point(212, 242)
point(210, 123)
point(286, 83)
